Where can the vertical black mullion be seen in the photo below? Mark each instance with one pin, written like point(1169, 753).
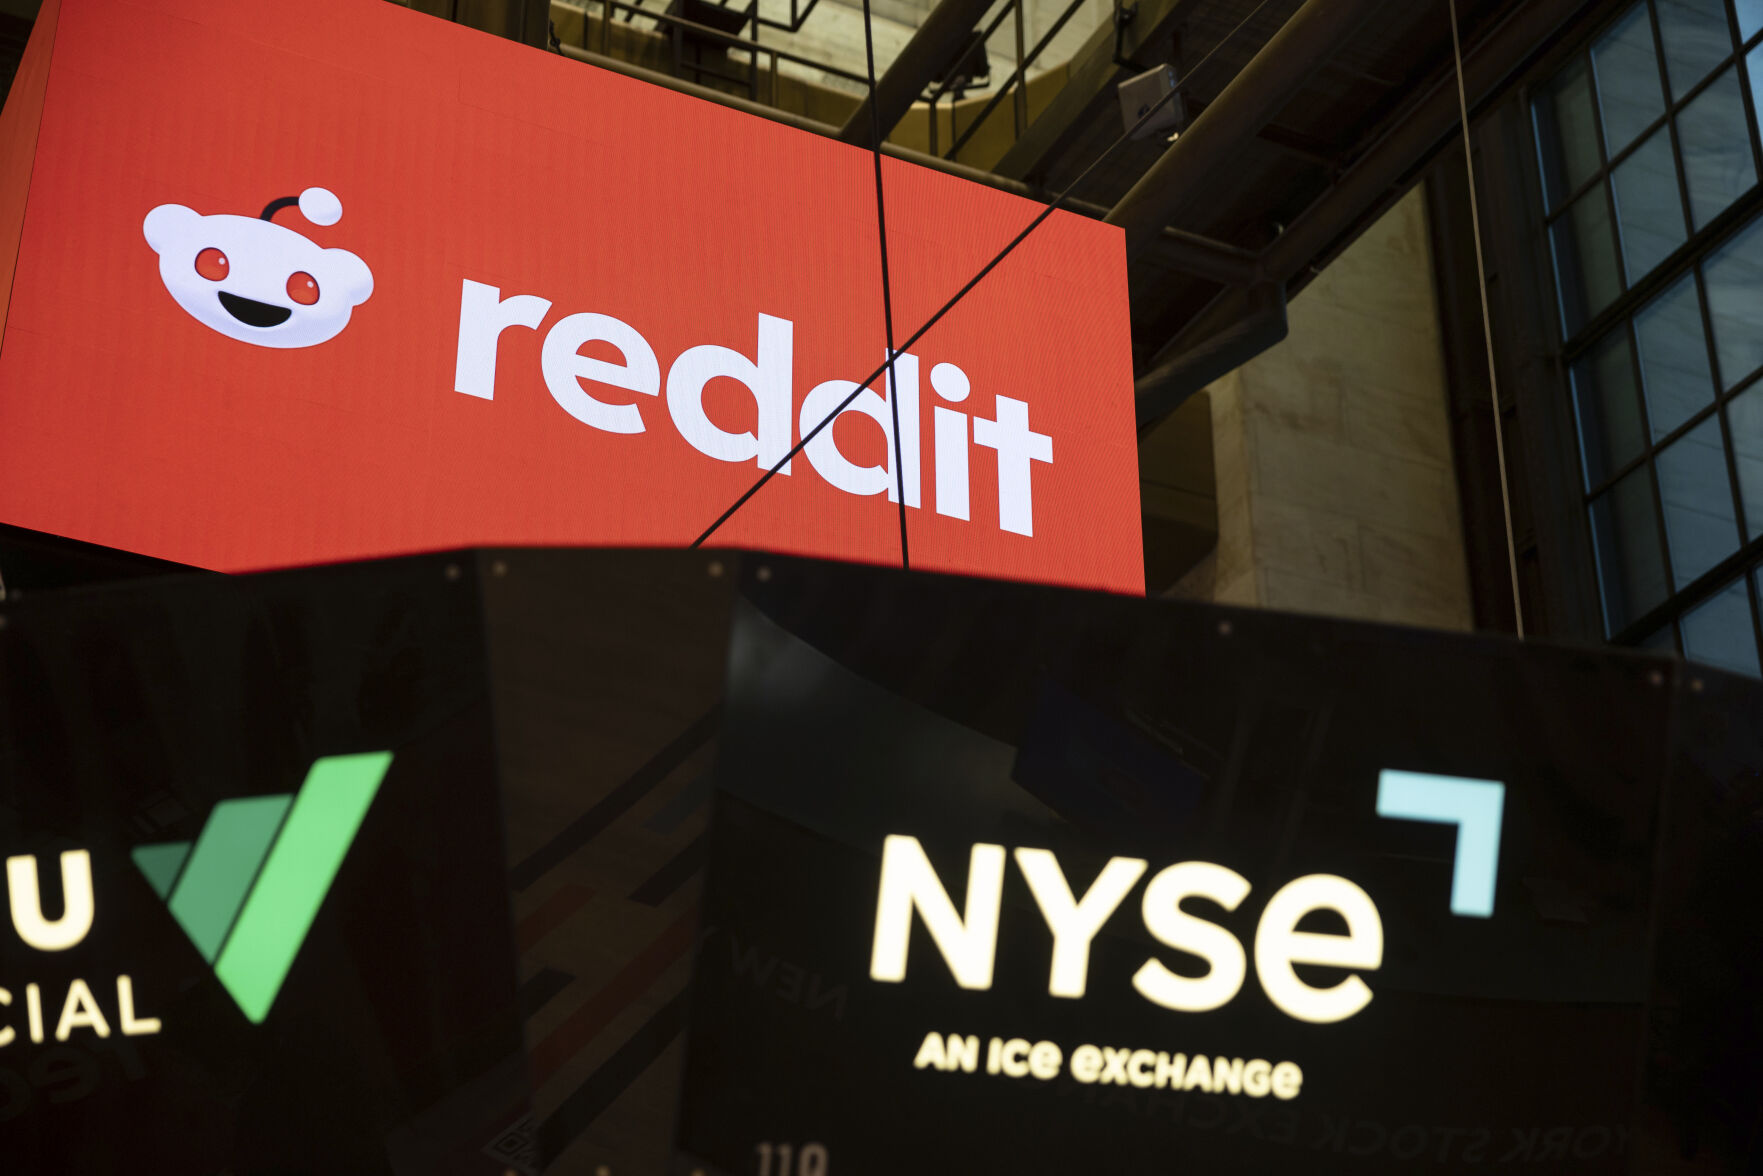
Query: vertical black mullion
point(1604, 178)
point(1732, 471)
point(1591, 74)
point(1564, 209)
point(1685, 217)
point(1746, 92)
point(1707, 316)
point(1527, 299)
point(1564, 372)
point(1683, 204)
point(1671, 108)
point(1648, 465)
point(1615, 241)
point(1557, 300)
point(1756, 613)
point(1721, 400)
point(1660, 538)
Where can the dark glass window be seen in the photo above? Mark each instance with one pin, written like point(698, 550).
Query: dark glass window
point(1567, 131)
point(1650, 160)
point(1696, 40)
point(1674, 357)
point(1585, 259)
point(1750, 18)
point(1631, 568)
point(1735, 293)
point(1649, 210)
point(1701, 526)
point(1745, 416)
point(1717, 163)
point(1718, 631)
point(1610, 432)
point(1627, 70)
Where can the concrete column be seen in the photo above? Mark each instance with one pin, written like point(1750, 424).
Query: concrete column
point(1336, 491)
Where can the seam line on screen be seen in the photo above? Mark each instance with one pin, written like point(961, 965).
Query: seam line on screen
point(1051, 206)
point(30, 178)
point(891, 385)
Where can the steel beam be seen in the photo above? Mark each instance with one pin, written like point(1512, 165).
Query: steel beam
point(1270, 80)
point(927, 56)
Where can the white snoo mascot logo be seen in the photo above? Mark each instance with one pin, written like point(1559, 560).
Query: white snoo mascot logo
point(254, 280)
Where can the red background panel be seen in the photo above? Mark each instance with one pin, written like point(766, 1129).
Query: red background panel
point(18, 139)
point(124, 421)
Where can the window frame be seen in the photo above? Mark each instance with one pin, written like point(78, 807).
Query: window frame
point(1535, 362)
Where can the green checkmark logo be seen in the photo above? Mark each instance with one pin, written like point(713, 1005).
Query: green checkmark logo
point(247, 890)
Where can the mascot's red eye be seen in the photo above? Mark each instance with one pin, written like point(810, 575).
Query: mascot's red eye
point(211, 263)
point(303, 288)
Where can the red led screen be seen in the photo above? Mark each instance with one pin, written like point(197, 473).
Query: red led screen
point(316, 281)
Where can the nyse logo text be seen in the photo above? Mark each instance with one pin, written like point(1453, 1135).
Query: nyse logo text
point(967, 940)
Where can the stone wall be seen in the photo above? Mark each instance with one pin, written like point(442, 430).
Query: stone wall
point(1336, 492)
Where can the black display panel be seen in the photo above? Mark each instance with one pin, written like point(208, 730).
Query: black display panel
point(607, 668)
point(1703, 1087)
point(1486, 1007)
point(284, 787)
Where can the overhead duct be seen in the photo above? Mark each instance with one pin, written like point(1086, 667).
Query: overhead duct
point(1261, 90)
point(945, 35)
point(1368, 182)
point(1168, 386)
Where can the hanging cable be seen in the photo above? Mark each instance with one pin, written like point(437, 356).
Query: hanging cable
point(1487, 322)
point(881, 223)
point(1051, 207)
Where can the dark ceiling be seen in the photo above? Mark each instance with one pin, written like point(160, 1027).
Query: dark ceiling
point(1399, 54)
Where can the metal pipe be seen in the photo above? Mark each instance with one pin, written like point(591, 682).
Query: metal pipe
point(1190, 252)
point(704, 32)
point(931, 51)
point(951, 79)
point(1017, 82)
point(1394, 157)
point(1271, 79)
point(794, 24)
point(1021, 75)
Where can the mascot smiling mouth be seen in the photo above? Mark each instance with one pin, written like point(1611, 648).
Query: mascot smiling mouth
point(252, 312)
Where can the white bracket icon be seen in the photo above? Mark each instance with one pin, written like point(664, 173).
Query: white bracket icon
point(1474, 806)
